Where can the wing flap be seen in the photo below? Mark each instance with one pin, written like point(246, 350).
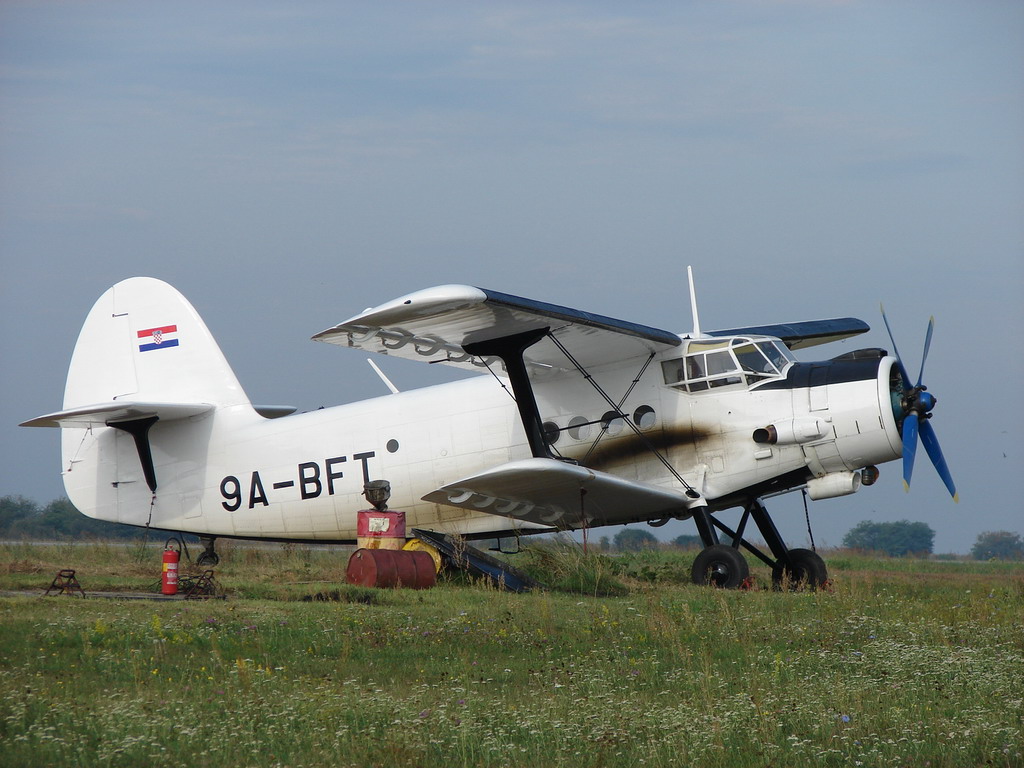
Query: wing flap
point(561, 495)
point(804, 334)
point(434, 324)
point(116, 411)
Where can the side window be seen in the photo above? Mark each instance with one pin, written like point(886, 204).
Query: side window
point(645, 417)
point(612, 423)
point(579, 428)
point(695, 367)
point(672, 370)
point(720, 362)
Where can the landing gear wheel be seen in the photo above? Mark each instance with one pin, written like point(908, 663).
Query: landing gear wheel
point(807, 572)
point(720, 566)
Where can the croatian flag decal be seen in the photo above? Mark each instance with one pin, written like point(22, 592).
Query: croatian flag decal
point(163, 337)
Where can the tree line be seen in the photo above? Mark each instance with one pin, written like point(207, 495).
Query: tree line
point(899, 539)
point(22, 518)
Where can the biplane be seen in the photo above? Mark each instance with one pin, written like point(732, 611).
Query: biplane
point(576, 420)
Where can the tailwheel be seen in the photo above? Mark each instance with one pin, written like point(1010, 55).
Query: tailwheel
point(805, 571)
point(209, 555)
point(720, 566)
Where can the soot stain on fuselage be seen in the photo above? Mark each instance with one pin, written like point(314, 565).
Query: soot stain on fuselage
point(615, 450)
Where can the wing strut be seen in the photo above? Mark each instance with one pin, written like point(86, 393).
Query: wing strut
point(510, 349)
point(618, 408)
point(690, 491)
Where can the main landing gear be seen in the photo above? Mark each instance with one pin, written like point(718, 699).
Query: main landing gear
point(723, 565)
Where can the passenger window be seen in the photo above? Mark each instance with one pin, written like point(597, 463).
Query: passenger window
point(612, 423)
point(551, 432)
point(644, 417)
point(579, 428)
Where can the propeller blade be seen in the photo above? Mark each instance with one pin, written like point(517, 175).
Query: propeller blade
point(931, 445)
point(899, 360)
point(910, 425)
point(927, 345)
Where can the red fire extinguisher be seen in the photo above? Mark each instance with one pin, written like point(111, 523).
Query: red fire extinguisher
point(169, 582)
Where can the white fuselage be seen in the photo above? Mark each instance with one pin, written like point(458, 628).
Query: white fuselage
point(231, 472)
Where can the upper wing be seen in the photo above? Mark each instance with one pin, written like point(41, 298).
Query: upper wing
point(434, 324)
point(805, 334)
point(558, 494)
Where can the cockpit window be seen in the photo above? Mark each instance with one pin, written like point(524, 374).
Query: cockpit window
point(720, 362)
point(752, 361)
point(778, 353)
point(713, 364)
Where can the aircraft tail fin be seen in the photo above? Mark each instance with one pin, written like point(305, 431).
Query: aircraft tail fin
point(143, 341)
point(144, 359)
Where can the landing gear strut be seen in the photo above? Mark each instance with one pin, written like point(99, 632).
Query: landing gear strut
point(208, 556)
point(724, 566)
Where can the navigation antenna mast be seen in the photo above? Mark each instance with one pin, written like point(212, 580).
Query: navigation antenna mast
point(693, 305)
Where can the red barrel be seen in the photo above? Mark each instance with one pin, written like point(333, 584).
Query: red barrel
point(391, 568)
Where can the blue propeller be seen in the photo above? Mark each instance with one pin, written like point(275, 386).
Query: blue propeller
point(917, 404)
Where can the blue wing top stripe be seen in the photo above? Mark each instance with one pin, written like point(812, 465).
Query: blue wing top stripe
point(791, 333)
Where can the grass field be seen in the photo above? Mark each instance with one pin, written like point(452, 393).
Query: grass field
point(903, 662)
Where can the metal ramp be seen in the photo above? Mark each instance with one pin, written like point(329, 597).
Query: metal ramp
point(460, 555)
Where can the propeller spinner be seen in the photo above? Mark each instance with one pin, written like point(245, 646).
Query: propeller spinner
point(917, 404)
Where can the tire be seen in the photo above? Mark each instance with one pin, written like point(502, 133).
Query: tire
point(208, 558)
point(720, 566)
point(807, 572)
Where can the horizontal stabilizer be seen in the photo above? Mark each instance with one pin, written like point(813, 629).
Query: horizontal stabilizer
point(561, 495)
point(809, 333)
point(434, 325)
point(117, 411)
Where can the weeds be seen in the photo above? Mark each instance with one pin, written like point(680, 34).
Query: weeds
point(922, 667)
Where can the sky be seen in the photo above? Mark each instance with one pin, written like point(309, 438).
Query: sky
point(286, 165)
